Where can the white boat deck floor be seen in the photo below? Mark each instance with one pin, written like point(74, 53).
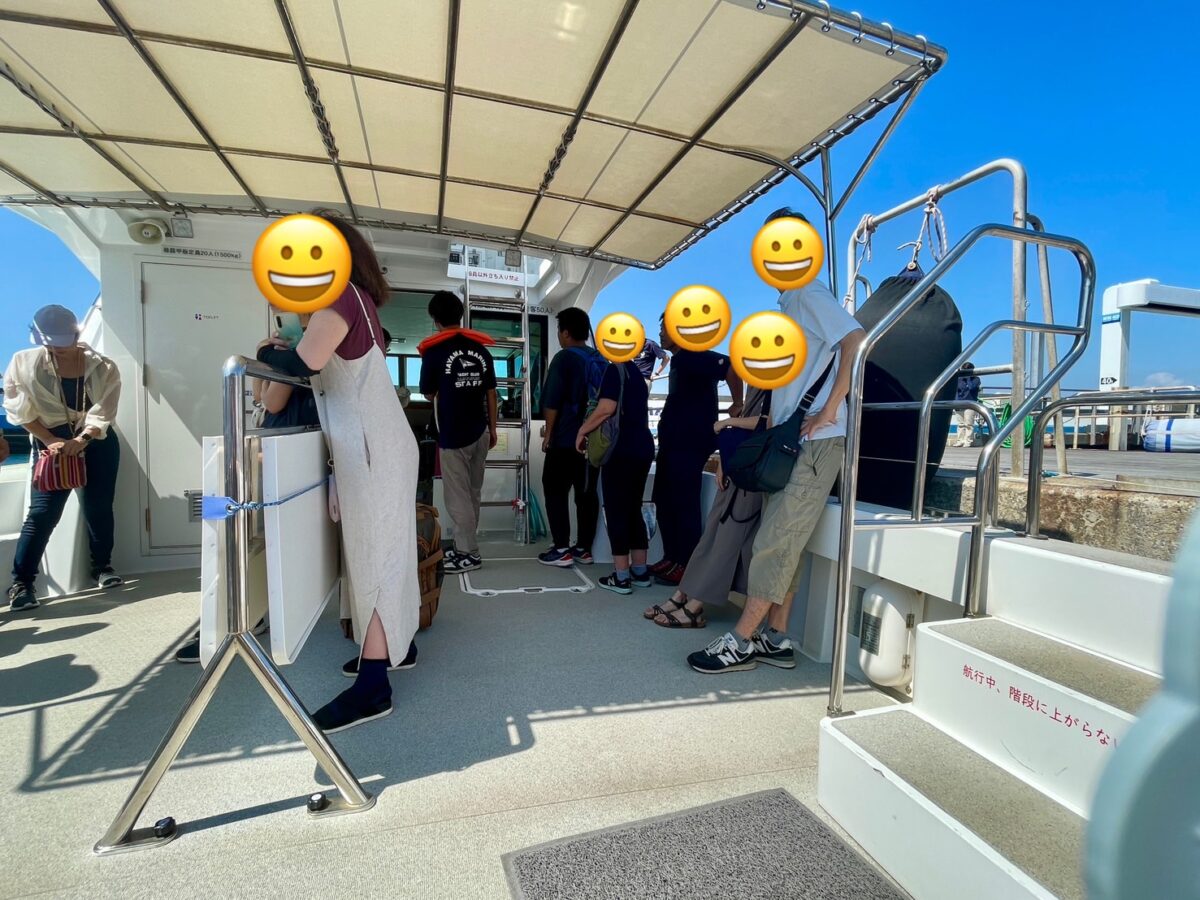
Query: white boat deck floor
point(527, 718)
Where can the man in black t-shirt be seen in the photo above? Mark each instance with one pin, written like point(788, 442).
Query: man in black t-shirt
point(564, 400)
point(458, 375)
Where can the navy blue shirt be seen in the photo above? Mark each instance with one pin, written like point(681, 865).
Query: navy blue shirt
point(968, 388)
point(460, 371)
point(634, 440)
point(691, 407)
point(645, 360)
point(566, 392)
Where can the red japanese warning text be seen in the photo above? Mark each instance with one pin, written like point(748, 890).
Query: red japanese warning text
point(1031, 703)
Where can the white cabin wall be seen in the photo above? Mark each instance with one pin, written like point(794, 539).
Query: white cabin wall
point(100, 238)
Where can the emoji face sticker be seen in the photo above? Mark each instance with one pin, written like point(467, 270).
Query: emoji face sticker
point(620, 337)
point(768, 350)
point(697, 318)
point(787, 253)
point(301, 263)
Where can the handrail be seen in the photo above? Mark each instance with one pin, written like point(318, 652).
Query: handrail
point(239, 642)
point(1020, 207)
point(1033, 500)
point(984, 466)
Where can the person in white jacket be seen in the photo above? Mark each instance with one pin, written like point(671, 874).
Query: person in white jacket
point(65, 395)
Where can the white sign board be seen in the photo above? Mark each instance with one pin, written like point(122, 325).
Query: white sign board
point(490, 276)
point(294, 572)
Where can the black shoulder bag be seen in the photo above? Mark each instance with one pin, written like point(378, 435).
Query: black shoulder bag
point(764, 461)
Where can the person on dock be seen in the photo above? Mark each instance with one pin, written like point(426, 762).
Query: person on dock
point(968, 389)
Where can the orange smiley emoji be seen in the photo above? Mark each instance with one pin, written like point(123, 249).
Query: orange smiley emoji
point(787, 253)
point(768, 350)
point(301, 263)
point(697, 318)
point(620, 337)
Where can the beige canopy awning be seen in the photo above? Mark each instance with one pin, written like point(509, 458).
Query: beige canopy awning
point(620, 129)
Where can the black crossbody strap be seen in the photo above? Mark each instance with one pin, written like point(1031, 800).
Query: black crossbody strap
point(806, 401)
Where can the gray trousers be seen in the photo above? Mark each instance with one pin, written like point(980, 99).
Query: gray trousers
point(462, 483)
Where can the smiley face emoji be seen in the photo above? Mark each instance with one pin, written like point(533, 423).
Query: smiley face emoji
point(620, 337)
point(301, 263)
point(697, 318)
point(768, 350)
point(787, 253)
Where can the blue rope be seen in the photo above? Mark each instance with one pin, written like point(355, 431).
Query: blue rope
point(217, 508)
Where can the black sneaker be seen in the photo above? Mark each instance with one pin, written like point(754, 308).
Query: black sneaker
point(723, 655)
point(615, 584)
point(641, 581)
point(21, 596)
point(350, 669)
point(348, 709)
point(189, 652)
point(455, 562)
point(581, 556)
point(106, 578)
point(774, 652)
point(555, 557)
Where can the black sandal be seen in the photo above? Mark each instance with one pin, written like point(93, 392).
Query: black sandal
point(697, 619)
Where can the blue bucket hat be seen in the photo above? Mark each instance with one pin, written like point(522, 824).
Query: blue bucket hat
point(54, 326)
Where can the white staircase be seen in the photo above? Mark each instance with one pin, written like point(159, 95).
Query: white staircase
point(981, 787)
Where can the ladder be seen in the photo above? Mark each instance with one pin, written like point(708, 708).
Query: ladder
point(515, 350)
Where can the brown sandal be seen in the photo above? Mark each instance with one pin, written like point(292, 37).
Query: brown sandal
point(657, 610)
point(696, 619)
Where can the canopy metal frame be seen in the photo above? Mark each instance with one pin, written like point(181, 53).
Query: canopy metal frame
point(848, 26)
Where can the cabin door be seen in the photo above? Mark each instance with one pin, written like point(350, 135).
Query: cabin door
point(194, 318)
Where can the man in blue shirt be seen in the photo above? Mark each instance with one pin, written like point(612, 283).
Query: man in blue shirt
point(685, 442)
point(645, 360)
point(790, 515)
point(564, 402)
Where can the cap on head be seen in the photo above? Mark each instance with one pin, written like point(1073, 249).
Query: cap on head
point(54, 326)
point(786, 212)
point(968, 367)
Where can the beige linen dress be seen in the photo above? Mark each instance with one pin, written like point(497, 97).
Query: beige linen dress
point(375, 466)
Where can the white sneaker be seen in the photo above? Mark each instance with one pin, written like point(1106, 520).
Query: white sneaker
point(106, 578)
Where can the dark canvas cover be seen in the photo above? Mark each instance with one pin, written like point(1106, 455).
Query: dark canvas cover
point(901, 367)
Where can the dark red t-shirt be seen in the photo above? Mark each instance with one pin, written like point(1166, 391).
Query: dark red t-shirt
point(362, 318)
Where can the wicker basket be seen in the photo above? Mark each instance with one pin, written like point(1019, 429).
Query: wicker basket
point(430, 571)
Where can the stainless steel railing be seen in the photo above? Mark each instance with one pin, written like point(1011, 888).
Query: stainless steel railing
point(985, 467)
point(239, 642)
point(1033, 500)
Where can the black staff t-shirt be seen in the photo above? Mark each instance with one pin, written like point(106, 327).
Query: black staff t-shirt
point(460, 371)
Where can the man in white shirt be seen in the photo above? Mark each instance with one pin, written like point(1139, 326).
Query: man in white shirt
point(789, 516)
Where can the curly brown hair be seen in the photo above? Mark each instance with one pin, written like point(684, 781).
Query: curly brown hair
point(364, 264)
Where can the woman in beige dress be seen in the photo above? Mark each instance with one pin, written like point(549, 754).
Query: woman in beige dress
point(375, 466)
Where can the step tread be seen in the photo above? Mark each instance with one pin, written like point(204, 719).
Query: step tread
point(1106, 680)
point(1042, 838)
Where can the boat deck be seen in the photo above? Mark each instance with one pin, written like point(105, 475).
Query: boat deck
point(527, 718)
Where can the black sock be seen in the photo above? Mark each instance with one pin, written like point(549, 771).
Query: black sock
point(372, 680)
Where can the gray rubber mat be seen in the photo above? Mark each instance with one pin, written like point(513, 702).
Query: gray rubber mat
point(761, 845)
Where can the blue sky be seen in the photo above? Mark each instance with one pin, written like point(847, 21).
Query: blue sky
point(1097, 115)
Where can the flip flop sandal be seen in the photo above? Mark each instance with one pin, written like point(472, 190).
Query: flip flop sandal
point(697, 620)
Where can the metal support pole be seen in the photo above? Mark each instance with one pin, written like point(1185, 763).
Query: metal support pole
point(830, 221)
point(121, 835)
point(1060, 441)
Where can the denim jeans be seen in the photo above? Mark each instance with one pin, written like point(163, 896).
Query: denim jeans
point(101, 459)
